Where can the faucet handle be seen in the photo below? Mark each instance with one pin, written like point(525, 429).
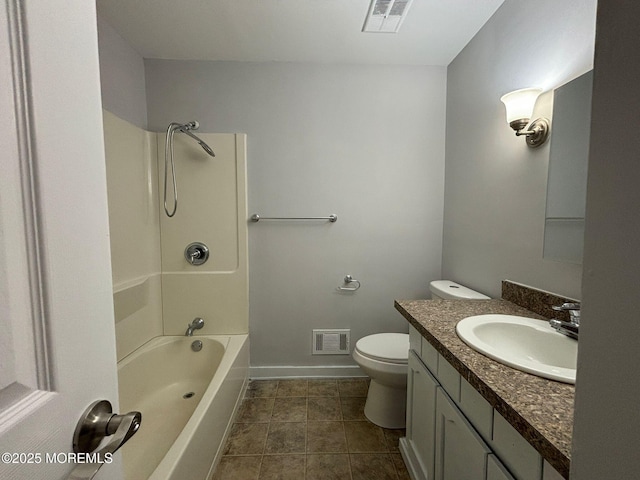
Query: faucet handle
point(566, 306)
point(572, 308)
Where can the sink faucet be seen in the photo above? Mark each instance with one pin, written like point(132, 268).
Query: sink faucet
point(570, 328)
point(197, 324)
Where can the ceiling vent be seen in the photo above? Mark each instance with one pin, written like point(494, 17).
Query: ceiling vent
point(386, 16)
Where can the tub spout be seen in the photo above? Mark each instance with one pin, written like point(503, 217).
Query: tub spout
point(197, 324)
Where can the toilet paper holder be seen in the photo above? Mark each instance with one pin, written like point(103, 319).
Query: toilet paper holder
point(349, 280)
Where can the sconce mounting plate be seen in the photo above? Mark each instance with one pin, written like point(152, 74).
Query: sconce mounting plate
point(538, 132)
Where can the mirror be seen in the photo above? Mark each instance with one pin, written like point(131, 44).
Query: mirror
point(567, 182)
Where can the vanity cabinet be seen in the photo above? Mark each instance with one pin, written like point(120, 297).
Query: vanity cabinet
point(495, 469)
point(421, 417)
point(440, 441)
point(453, 432)
point(460, 453)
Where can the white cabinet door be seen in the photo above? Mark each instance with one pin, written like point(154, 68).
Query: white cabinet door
point(495, 469)
point(57, 346)
point(421, 407)
point(460, 452)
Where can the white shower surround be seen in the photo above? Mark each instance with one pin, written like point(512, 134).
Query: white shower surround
point(157, 293)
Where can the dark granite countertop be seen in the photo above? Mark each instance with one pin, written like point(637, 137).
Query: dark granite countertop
point(540, 410)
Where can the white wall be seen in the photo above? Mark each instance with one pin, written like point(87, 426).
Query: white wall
point(607, 417)
point(495, 186)
point(363, 142)
point(121, 77)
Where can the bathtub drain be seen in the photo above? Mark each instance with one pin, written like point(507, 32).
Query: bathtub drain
point(188, 395)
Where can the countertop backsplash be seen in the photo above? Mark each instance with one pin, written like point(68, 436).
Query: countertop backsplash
point(535, 300)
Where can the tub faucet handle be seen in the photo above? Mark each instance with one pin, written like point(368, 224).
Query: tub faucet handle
point(196, 253)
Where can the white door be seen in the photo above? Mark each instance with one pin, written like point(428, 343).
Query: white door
point(460, 452)
point(57, 342)
point(421, 415)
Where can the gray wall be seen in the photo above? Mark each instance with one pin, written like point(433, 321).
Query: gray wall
point(607, 417)
point(495, 185)
point(121, 77)
point(364, 142)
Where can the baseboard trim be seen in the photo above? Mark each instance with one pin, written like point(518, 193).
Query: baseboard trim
point(322, 371)
point(410, 460)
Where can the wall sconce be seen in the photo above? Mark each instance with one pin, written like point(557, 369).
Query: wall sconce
point(519, 106)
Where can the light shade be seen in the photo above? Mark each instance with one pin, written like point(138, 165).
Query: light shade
point(519, 104)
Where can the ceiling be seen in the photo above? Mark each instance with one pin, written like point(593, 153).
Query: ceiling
point(324, 31)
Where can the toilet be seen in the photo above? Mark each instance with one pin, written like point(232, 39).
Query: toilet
point(384, 356)
point(448, 290)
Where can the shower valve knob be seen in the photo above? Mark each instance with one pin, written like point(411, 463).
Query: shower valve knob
point(196, 253)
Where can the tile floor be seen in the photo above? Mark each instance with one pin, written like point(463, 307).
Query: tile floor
point(309, 429)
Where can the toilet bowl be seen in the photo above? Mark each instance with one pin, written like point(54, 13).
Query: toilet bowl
point(383, 357)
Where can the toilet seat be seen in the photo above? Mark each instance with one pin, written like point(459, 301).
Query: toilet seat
point(385, 347)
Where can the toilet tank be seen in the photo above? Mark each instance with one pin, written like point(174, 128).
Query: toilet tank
point(448, 290)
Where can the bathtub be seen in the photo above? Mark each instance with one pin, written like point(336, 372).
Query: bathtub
point(188, 400)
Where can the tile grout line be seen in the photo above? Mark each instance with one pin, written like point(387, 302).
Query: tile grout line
point(306, 434)
point(266, 438)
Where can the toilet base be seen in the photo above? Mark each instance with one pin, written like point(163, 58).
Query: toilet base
point(386, 406)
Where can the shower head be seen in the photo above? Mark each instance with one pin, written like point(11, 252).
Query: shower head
point(206, 148)
point(193, 126)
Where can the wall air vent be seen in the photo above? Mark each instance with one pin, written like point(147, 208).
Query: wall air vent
point(331, 342)
point(386, 16)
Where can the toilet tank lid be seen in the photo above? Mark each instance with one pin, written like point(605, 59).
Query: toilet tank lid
point(391, 347)
point(454, 291)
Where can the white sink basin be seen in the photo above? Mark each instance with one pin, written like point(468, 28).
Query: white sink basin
point(524, 343)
